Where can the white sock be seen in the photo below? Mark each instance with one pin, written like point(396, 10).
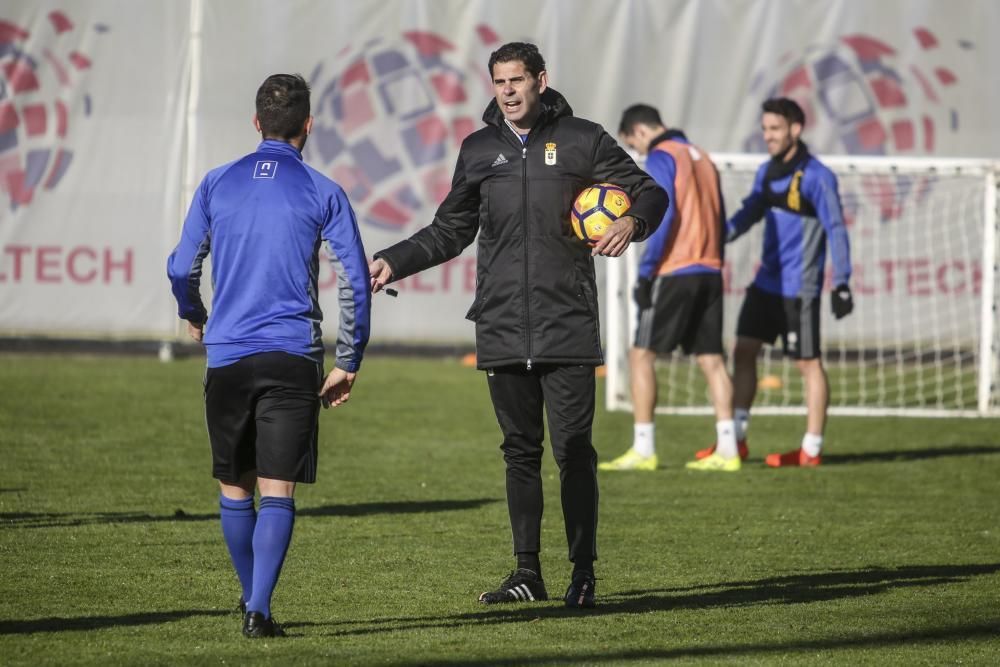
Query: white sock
point(725, 439)
point(742, 419)
point(643, 442)
point(812, 444)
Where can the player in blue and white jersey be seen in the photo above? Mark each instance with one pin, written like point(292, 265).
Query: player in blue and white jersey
point(264, 218)
point(797, 196)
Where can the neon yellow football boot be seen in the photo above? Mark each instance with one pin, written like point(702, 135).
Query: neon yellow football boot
point(630, 460)
point(715, 463)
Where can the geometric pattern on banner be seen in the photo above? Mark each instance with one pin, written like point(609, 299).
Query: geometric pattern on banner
point(390, 115)
point(866, 96)
point(862, 96)
point(40, 70)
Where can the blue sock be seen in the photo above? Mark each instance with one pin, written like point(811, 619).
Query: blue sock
point(238, 521)
point(271, 538)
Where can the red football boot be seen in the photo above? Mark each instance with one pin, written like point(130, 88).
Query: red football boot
point(797, 457)
point(741, 447)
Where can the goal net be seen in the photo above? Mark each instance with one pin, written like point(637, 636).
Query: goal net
point(922, 340)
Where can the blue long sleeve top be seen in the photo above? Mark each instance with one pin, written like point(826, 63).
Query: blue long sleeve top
point(802, 212)
point(264, 219)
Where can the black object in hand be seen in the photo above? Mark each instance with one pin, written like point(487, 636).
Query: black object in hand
point(841, 301)
point(643, 293)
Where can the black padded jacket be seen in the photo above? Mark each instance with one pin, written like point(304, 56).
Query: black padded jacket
point(536, 291)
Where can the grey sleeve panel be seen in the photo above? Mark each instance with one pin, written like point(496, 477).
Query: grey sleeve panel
point(194, 278)
point(813, 257)
point(345, 351)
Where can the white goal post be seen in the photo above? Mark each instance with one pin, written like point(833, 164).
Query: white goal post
point(923, 338)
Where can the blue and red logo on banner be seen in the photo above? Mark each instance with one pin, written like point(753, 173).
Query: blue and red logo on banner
point(878, 101)
point(390, 115)
point(36, 103)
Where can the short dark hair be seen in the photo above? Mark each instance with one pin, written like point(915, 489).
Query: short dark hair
point(638, 114)
point(524, 52)
point(282, 106)
point(786, 107)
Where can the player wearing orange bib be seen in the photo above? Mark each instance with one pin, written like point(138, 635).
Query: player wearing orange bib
point(679, 290)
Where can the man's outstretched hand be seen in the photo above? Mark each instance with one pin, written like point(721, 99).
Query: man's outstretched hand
point(381, 274)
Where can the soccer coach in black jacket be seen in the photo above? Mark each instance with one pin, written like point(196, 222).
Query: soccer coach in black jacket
point(537, 326)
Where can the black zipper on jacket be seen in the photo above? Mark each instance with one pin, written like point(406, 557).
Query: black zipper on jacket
point(524, 226)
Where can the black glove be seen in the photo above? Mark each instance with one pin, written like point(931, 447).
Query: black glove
point(841, 301)
point(643, 293)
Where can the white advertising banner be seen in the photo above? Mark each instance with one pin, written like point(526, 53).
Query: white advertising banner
point(91, 117)
point(132, 102)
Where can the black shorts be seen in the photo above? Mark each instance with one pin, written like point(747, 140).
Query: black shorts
point(686, 311)
point(263, 413)
point(765, 316)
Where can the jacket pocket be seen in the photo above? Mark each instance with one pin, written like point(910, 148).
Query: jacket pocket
point(476, 309)
point(588, 292)
point(485, 225)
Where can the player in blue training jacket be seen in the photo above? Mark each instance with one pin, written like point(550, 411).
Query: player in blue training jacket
point(798, 196)
point(264, 218)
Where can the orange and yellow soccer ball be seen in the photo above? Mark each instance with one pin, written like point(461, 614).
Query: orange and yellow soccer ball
point(596, 208)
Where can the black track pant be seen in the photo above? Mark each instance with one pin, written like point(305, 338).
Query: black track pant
point(567, 394)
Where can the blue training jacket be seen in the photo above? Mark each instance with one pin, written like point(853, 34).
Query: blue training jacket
point(802, 209)
point(264, 217)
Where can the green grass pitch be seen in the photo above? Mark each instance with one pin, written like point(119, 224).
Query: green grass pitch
point(111, 552)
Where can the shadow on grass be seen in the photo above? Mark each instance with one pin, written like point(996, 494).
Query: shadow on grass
point(985, 630)
point(819, 586)
point(910, 454)
point(70, 519)
point(400, 507)
point(56, 624)
point(792, 589)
